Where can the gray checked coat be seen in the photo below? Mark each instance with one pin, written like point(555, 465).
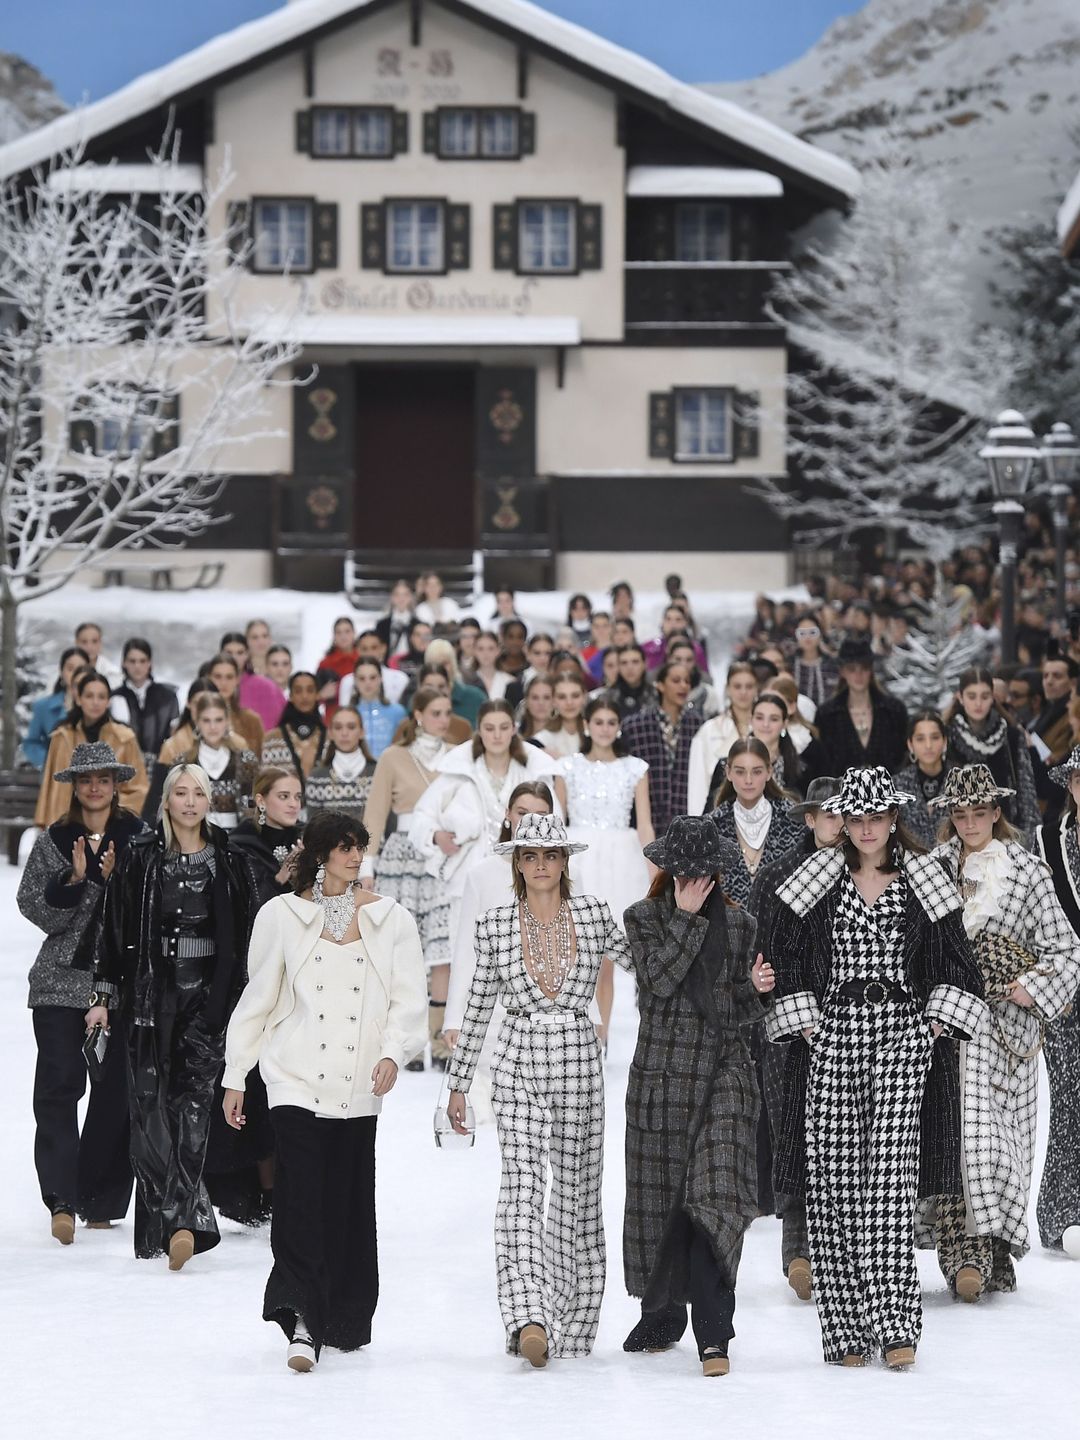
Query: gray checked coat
point(691, 1101)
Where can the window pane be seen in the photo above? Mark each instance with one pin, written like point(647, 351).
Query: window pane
point(372, 133)
point(499, 132)
point(701, 424)
point(546, 241)
point(702, 232)
point(457, 132)
point(282, 235)
point(330, 133)
point(416, 235)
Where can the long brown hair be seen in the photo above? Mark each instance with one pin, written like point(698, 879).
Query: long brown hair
point(519, 879)
point(750, 746)
point(498, 707)
point(538, 790)
point(899, 843)
point(211, 700)
point(1002, 829)
point(529, 726)
point(976, 675)
point(557, 723)
point(420, 701)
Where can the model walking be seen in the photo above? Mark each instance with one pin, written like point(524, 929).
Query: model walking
point(924, 777)
point(715, 738)
point(1030, 958)
point(871, 963)
point(174, 928)
point(1058, 1205)
point(661, 735)
point(224, 757)
point(343, 782)
point(752, 815)
point(299, 740)
point(333, 1007)
point(88, 721)
point(87, 1174)
point(980, 734)
point(541, 957)
point(692, 1099)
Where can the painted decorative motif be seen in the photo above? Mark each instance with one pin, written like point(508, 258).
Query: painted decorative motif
point(506, 517)
point(506, 415)
point(322, 502)
point(322, 429)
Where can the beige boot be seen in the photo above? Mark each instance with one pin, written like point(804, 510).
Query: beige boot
point(714, 1362)
point(533, 1344)
point(969, 1284)
point(900, 1357)
point(853, 1360)
point(799, 1278)
point(63, 1227)
point(181, 1249)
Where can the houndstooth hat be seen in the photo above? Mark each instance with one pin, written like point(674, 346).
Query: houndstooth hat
point(1063, 773)
point(90, 757)
point(692, 848)
point(866, 790)
point(969, 785)
point(540, 832)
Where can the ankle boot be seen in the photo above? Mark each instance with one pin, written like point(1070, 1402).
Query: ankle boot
point(63, 1226)
point(969, 1284)
point(799, 1278)
point(181, 1249)
point(714, 1361)
point(533, 1344)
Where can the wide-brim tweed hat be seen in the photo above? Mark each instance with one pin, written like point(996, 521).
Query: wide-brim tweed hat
point(93, 756)
point(868, 790)
point(1061, 774)
point(692, 848)
point(969, 785)
point(817, 792)
point(540, 832)
point(854, 651)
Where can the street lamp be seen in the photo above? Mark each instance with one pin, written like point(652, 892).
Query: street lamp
point(1010, 455)
point(1060, 456)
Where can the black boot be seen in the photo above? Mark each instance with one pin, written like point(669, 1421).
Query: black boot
point(657, 1329)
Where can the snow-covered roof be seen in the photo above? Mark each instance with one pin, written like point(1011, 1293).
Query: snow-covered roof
point(445, 330)
point(1068, 220)
point(288, 25)
point(701, 180)
point(129, 179)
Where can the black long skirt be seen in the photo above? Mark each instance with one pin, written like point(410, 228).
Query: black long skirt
point(326, 1264)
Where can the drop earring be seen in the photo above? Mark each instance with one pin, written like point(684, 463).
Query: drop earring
point(320, 875)
point(892, 828)
point(260, 815)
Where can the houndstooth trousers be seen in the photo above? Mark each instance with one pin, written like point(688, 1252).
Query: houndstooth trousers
point(548, 1098)
point(868, 1070)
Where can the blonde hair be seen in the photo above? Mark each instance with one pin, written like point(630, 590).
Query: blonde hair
point(201, 778)
point(441, 652)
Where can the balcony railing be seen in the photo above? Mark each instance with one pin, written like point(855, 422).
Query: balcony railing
point(715, 295)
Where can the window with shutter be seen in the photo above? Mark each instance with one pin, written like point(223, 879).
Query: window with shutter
point(401, 132)
point(458, 238)
point(326, 236)
point(303, 131)
point(431, 132)
point(547, 237)
point(372, 237)
point(590, 237)
point(527, 131)
point(284, 236)
point(416, 237)
point(661, 425)
point(504, 254)
point(703, 424)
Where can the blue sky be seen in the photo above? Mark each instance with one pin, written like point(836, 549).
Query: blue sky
point(91, 47)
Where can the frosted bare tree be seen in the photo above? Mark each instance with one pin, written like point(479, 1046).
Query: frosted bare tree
point(894, 375)
point(128, 380)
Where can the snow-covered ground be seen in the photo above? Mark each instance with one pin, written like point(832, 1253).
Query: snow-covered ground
point(97, 1346)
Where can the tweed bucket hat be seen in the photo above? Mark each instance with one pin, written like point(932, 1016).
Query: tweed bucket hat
point(90, 757)
point(1063, 773)
point(855, 651)
point(817, 792)
point(540, 832)
point(969, 785)
point(866, 790)
point(692, 848)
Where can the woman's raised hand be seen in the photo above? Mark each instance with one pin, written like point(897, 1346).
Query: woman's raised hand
point(691, 894)
point(763, 975)
point(78, 861)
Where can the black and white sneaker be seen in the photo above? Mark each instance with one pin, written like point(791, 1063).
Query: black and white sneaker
point(301, 1356)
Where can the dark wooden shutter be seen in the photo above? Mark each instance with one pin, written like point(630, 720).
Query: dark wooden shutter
point(661, 425)
point(590, 241)
point(303, 131)
point(401, 132)
point(238, 230)
point(167, 439)
point(431, 132)
point(457, 237)
point(326, 236)
point(505, 421)
point(661, 233)
point(743, 233)
point(504, 236)
point(82, 437)
point(527, 132)
point(746, 424)
point(373, 237)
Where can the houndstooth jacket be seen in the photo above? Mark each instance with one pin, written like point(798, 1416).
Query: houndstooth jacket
point(1001, 1063)
point(941, 973)
point(501, 974)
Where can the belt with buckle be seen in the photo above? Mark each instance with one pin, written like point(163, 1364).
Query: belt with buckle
point(873, 992)
point(549, 1017)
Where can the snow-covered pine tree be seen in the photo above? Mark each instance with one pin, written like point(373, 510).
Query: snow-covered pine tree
point(925, 672)
point(891, 381)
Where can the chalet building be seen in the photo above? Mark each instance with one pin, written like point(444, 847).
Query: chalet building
point(531, 268)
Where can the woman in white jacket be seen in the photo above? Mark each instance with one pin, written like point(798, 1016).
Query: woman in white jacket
point(335, 1003)
point(458, 818)
point(715, 738)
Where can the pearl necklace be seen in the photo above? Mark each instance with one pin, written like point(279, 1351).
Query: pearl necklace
point(338, 910)
point(549, 947)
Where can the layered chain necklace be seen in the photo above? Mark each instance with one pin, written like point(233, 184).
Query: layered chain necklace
point(338, 910)
point(549, 946)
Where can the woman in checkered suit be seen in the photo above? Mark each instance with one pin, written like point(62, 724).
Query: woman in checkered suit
point(872, 965)
point(541, 956)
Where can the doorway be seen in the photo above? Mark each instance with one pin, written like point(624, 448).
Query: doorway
point(415, 461)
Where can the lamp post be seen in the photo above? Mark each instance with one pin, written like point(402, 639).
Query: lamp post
point(1010, 455)
point(1060, 455)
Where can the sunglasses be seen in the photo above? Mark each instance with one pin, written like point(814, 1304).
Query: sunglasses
point(807, 632)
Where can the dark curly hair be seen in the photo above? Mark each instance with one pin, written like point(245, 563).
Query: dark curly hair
point(326, 830)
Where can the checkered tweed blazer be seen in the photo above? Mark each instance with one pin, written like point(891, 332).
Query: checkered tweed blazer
point(667, 782)
point(691, 1100)
point(784, 832)
point(501, 974)
point(941, 973)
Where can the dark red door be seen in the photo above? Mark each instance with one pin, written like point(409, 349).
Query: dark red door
point(415, 467)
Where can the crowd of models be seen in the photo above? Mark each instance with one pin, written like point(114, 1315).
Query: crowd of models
point(259, 909)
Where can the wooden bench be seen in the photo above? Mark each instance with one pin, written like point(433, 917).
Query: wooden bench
point(203, 575)
point(18, 801)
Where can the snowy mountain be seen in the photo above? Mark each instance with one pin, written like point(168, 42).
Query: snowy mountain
point(27, 99)
point(988, 91)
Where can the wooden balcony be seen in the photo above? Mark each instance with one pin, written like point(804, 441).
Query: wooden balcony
point(717, 302)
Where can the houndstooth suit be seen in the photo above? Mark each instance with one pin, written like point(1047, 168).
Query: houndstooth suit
point(548, 1096)
point(1000, 1089)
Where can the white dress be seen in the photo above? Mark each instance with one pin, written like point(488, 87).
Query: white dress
point(599, 798)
